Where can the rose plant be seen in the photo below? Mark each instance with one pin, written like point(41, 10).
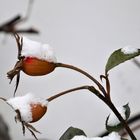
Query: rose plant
point(37, 59)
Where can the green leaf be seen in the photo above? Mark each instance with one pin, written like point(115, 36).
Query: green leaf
point(119, 126)
point(118, 57)
point(71, 132)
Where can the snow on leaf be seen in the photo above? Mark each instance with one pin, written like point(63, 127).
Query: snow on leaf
point(121, 55)
point(113, 123)
point(129, 50)
point(111, 136)
point(71, 132)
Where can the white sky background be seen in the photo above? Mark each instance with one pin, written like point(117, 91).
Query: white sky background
point(83, 33)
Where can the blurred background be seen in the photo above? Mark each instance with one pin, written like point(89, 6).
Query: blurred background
point(83, 33)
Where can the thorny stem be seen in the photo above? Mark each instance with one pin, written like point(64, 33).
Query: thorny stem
point(84, 73)
point(104, 99)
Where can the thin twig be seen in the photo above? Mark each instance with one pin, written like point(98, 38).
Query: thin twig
point(66, 92)
point(84, 73)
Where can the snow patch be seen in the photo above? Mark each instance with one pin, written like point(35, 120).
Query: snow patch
point(113, 120)
point(38, 50)
point(129, 50)
point(22, 104)
point(111, 136)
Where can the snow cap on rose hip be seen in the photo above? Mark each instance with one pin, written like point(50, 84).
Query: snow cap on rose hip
point(37, 50)
point(34, 59)
point(39, 59)
point(31, 108)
